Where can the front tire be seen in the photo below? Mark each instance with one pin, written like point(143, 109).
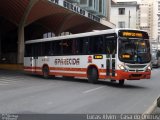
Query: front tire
point(121, 82)
point(92, 75)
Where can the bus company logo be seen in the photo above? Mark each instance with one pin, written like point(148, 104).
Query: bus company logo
point(67, 61)
point(89, 59)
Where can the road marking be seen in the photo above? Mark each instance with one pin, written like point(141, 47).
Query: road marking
point(8, 81)
point(4, 84)
point(91, 90)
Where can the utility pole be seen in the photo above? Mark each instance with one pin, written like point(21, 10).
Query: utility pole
point(129, 19)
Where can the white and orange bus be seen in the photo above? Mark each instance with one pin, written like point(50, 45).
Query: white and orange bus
point(115, 54)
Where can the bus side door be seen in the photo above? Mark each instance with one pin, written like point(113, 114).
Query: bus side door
point(110, 50)
point(35, 48)
point(110, 65)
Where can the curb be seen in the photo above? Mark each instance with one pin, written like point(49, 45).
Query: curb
point(153, 107)
point(158, 102)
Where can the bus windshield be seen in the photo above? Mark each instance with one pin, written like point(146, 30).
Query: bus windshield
point(134, 50)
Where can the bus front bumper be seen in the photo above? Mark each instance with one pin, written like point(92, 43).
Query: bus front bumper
point(133, 75)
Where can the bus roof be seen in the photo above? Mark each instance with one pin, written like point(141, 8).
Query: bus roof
point(79, 35)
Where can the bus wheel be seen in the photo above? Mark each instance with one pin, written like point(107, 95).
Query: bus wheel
point(92, 75)
point(45, 72)
point(121, 82)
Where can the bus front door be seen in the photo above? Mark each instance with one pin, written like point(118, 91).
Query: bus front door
point(110, 66)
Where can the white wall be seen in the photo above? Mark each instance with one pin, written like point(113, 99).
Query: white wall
point(155, 19)
point(115, 17)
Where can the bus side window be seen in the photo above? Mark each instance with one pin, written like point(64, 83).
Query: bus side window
point(110, 44)
point(67, 47)
point(39, 49)
point(46, 48)
point(57, 47)
point(74, 47)
point(96, 45)
point(82, 45)
point(35, 49)
point(51, 49)
point(28, 50)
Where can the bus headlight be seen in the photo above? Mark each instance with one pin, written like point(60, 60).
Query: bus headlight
point(121, 67)
point(149, 68)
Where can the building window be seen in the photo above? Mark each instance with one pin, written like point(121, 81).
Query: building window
point(121, 11)
point(100, 5)
point(121, 24)
point(158, 24)
point(94, 3)
point(90, 3)
point(83, 1)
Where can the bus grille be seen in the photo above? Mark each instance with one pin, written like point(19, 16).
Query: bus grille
point(136, 66)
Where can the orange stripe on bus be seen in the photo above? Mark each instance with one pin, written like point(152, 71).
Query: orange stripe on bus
point(65, 69)
point(68, 74)
point(26, 67)
point(68, 69)
point(32, 69)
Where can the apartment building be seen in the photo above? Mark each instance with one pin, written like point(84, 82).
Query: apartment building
point(156, 25)
point(124, 14)
point(145, 17)
point(156, 20)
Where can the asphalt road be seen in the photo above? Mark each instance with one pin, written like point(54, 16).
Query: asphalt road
point(23, 93)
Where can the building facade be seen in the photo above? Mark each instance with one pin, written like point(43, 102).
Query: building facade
point(124, 14)
point(100, 8)
point(156, 20)
point(145, 17)
point(156, 25)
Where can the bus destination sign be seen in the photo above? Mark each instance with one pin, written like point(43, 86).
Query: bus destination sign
point(132, 34)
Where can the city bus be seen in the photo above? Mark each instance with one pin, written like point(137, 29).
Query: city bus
point(114, 54)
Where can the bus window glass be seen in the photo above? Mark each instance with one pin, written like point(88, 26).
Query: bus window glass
point(96, 45)
point(36, 49)
point(67, 47)
point(51, 50)
point(46, 48)
point(74, 46)
point(82, 45)
point(57, 47)
point(110, 44)
point(28, 50)
point(39, 47)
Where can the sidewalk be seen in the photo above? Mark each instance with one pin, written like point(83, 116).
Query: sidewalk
point(157, 111)
point(156, 114)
